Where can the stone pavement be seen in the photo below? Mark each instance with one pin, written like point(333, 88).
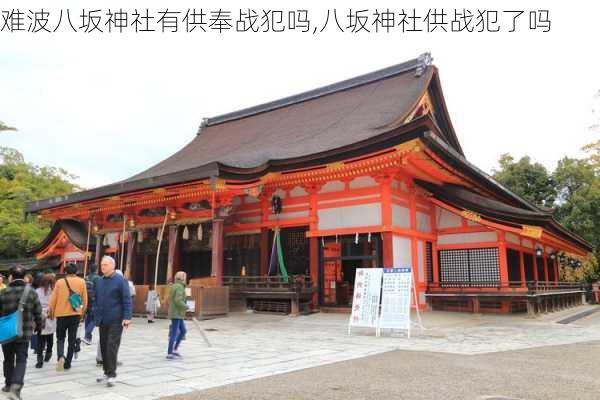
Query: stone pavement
point(247, 346)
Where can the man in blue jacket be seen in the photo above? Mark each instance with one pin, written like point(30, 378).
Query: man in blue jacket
point(112, 314)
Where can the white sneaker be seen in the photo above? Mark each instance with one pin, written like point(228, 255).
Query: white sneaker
point(110, 382)
point(102, 379)
point(60, 366)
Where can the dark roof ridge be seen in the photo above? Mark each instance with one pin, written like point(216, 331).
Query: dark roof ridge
point(418, 64)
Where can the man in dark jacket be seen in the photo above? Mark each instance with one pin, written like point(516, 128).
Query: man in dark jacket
point(112, 314)
point(15, 353)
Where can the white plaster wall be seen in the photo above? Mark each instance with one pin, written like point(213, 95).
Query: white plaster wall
point(461, 238)
point(333, 186)
point(402, 251)
point(363, 182)
point(369, 196)
point(350, 217)
point(298, 191)
point(281, 193)
point(447, 219)
point(423, 222)
point(400, 216)
point(512, 238)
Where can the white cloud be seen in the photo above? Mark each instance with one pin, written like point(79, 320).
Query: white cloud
point(106, 107)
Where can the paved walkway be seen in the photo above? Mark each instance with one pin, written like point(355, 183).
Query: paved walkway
point(250, 346)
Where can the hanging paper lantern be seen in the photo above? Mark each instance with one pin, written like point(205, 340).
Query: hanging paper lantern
point(356, 238)
point(158, 234)
point(200, 233)
point(140, 236)
point(369, 238)
point(105, 241)
point(186, 233)
point(323, 241)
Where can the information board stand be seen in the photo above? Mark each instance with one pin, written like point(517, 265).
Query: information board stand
point(367, 295)
point(382, 300)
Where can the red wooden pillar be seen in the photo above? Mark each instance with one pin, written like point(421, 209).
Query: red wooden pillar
point(313, 242)
point(434, 252)
point(171, 252)
point(129, 262)
point(412, 201)
point(264, 251)
point(386, 221)
point(217, 251)
point(522, 268)
point(502, 259)
point(98, 254)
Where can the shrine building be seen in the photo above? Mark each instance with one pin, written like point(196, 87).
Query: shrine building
point(367, 172)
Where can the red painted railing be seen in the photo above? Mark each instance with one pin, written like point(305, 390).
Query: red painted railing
point(530, 287)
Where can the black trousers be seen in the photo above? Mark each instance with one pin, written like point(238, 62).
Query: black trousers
point(46, 341)
point(66, 326)
point(15, 362)
point(110, 340)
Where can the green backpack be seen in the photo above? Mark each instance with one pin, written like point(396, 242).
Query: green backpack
point(75, 299)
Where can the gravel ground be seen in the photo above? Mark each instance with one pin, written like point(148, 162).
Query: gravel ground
point(556, 372)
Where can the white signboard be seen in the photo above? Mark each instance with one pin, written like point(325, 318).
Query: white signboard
point(395, 298)
point(367, 293)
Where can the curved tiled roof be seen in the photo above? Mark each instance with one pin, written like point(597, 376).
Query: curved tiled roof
point(464, 198)
point(319, 120)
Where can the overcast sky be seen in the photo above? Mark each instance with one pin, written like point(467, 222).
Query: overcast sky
point(106, 106)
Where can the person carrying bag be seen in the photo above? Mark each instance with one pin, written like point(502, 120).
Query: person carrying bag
point(68, 304)
point(21, 314)
point(11, 325)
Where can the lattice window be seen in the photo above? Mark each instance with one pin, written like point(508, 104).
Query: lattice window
point(429, 261)
point(294, 244)
point(454, 266)
point(469, 267)
point(484, 265)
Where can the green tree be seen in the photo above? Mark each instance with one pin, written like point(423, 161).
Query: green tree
point(4, 127)
point(578, 194)
point(530, 181)
point(21, 182)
